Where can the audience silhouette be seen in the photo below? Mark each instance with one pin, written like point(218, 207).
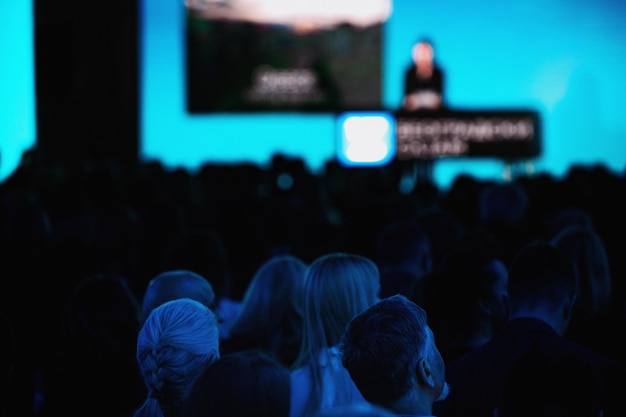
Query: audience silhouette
point(65, 222)
point(26, 238)
point(466, 295)
point(403, 255)
point(540, 384)
point(542, 292)
point(596, 321)
point(8, 345)
point(568, 216)
point(505, 209)
point(202, 250)
point(241, 384)
point(443, 227)
point(95, 347)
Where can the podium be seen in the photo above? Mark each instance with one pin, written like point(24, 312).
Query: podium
point(426, 135)
point(508, 135)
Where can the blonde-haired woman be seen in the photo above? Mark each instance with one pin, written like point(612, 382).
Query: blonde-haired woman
point(177, 342)
point(338, 286)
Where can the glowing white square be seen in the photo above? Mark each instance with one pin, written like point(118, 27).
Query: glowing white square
point(366, 138)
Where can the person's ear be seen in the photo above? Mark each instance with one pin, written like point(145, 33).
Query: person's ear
point(506, 303)
point(485, 307)
point(568, 306)
point(424, 373)
point(494, 307)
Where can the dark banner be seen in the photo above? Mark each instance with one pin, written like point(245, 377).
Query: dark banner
point(500, 134)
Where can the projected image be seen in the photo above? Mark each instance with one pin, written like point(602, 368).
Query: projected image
point(280, 55)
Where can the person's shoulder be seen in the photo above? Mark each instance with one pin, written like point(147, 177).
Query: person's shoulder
point(235, 343)
point(414, 415)
point(593, 357)
point(300, 390)
point(470, 368)
point(527, 324)
point(490, 352)
point(300, 374)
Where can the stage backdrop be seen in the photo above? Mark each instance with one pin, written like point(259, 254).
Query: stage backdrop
point(564, 59)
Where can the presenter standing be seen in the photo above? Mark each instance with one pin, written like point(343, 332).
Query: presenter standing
point(423, 80)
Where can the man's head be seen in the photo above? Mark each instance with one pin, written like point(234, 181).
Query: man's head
point(542, 284)
point(403, 254)
point(391, 355)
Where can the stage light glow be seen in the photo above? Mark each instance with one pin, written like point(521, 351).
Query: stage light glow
point(365, 138)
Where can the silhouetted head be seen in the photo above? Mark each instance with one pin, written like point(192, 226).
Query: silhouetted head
point(203, 252)
point(175, 284)
point(542, 284)
point(246, 383)
point(403, 254)
point(391, 355)
point(468, 299)
point(566, 217)
point(504, 203)
point(102, 315)
point(588, 254)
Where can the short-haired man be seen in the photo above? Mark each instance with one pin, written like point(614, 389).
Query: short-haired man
point(391, 355)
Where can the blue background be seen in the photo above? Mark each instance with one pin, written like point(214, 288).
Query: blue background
point(17, 84)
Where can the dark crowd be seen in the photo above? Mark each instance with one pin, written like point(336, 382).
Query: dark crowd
point(241, 290)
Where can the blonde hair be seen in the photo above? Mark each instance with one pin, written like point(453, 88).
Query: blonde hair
point(177, 341)
point(338, 286)
point(272, 306)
